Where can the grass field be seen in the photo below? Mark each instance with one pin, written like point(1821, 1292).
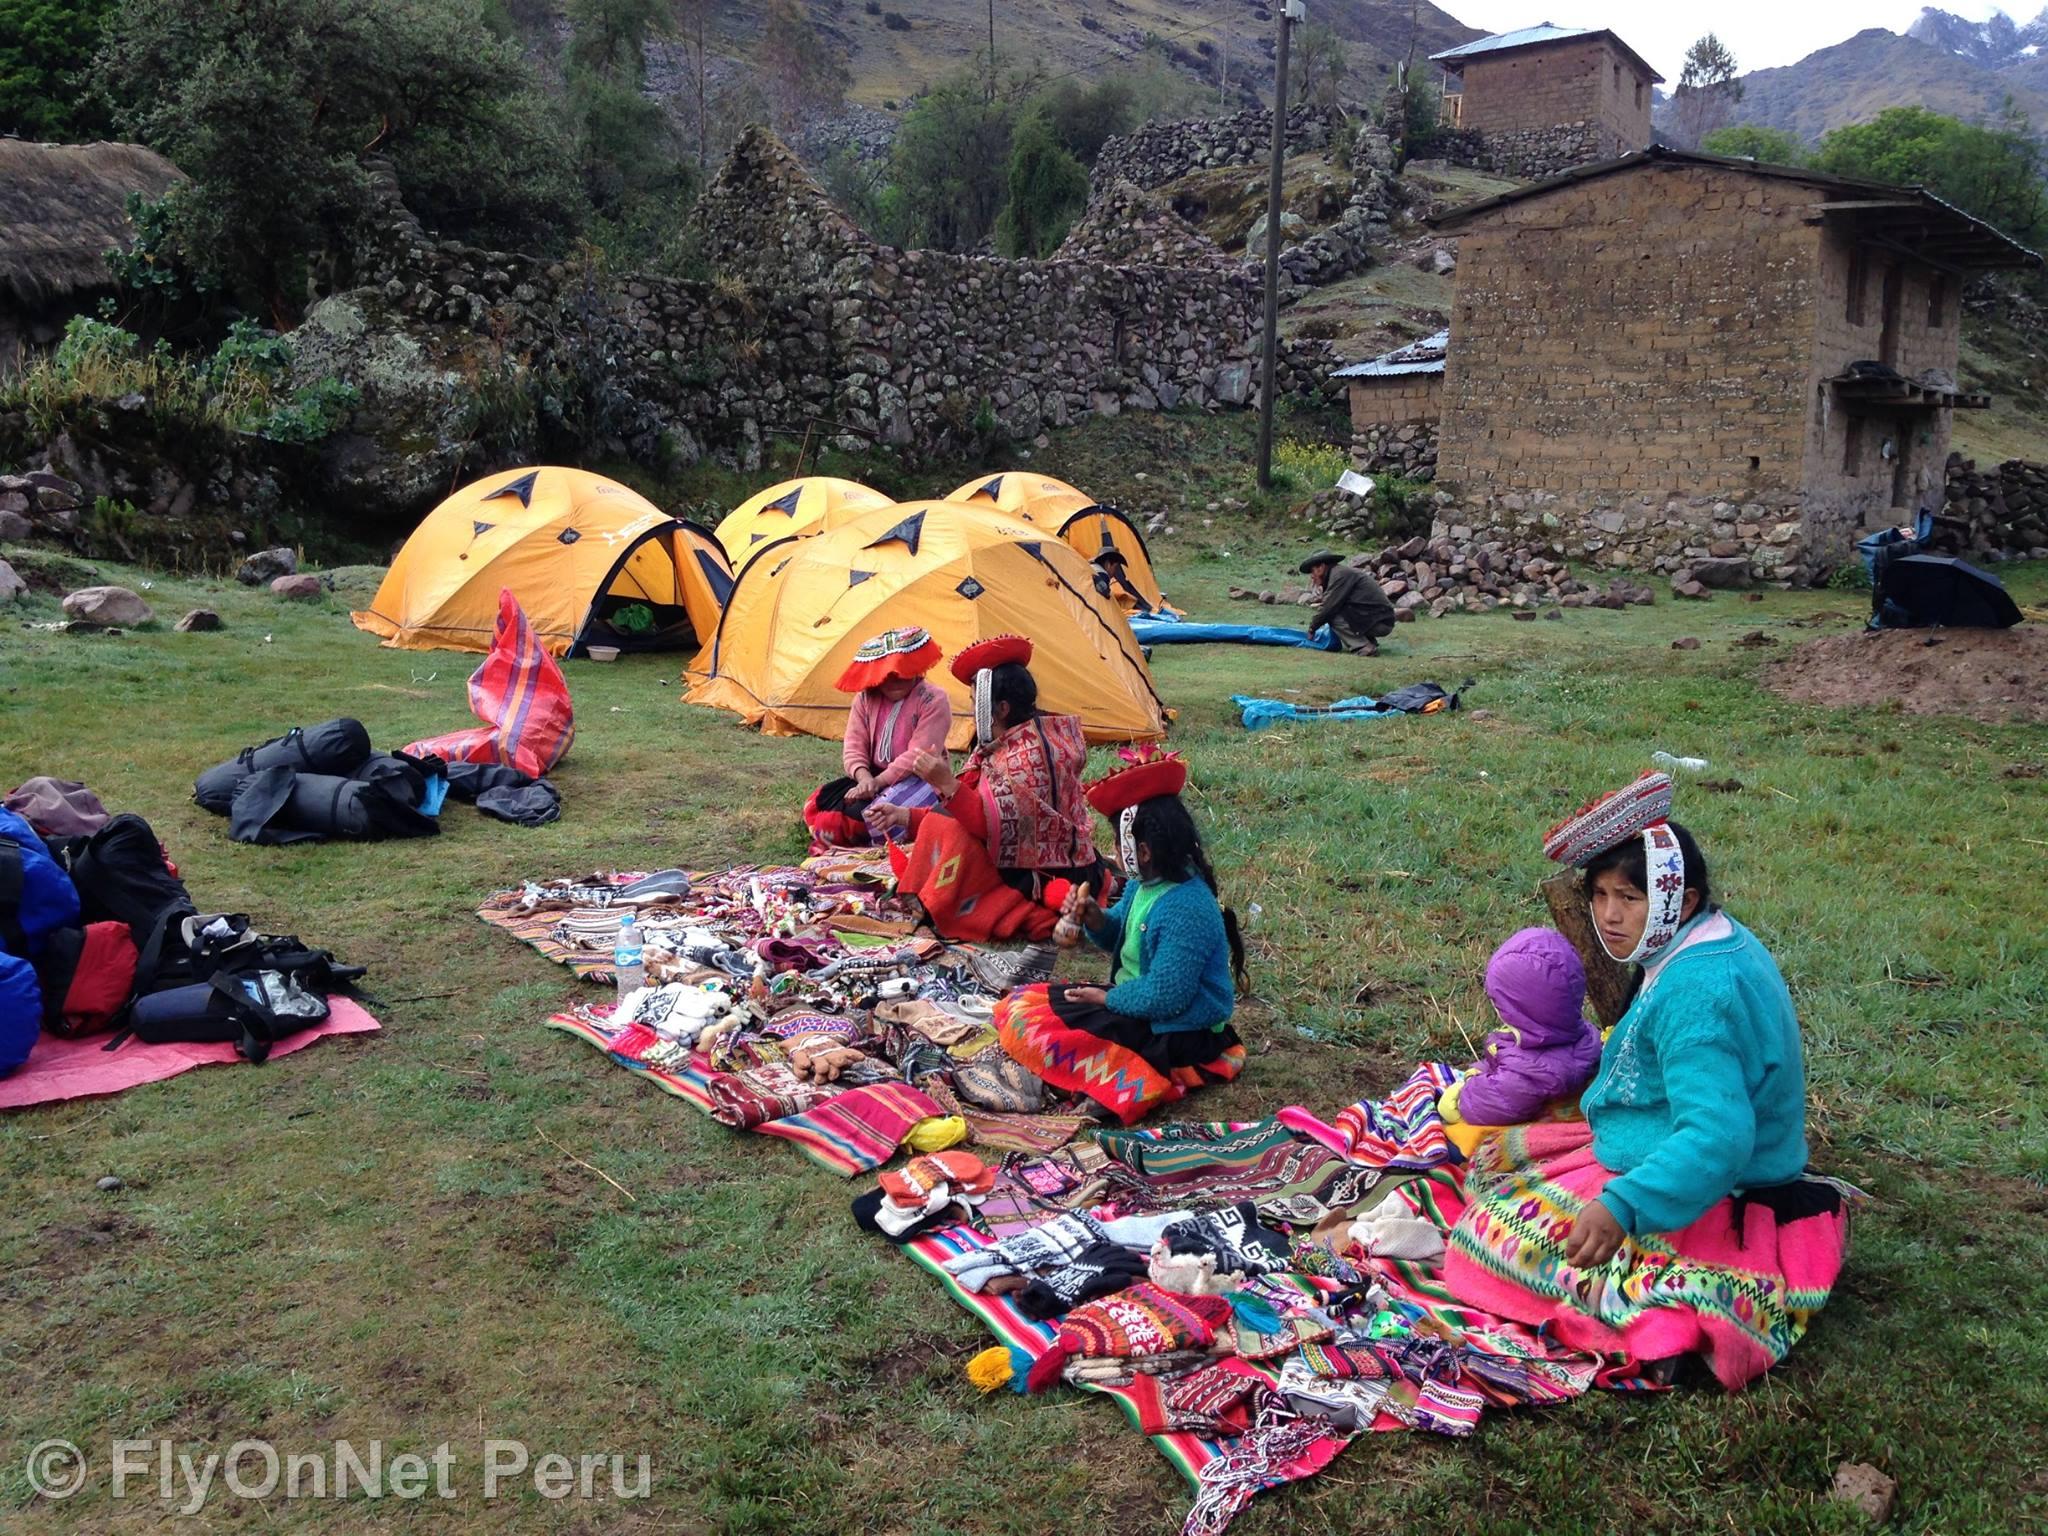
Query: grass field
point(402, 1237)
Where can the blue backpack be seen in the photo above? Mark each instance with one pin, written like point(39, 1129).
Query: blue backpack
point(36, 899)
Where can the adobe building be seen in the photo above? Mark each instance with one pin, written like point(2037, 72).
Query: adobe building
point(1676, 358)
point(1398, 388)
point(1545, 98)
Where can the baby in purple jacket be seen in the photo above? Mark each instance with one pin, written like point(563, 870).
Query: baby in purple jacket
point(1544, 1049)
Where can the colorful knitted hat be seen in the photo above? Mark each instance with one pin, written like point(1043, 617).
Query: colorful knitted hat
point(1141, 1321)
point(1641, 809)
point(892, 653)
point(913, 1183)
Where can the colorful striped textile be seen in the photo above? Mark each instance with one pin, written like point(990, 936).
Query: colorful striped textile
point(691, 1084)
point(1166, 1150)
point(1739, 1286)
point(1188, 1453)
point(856, 1131)
point(1403, 1130)
point(520, 696)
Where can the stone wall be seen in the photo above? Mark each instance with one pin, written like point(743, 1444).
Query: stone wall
point(1719, 543)
point(1405, 448)
point(2005, 510)
point(1124, 223)
point(1163, 152)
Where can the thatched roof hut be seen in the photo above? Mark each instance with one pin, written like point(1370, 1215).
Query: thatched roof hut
point(62, 207)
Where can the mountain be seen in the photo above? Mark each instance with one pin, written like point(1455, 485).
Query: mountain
point(1855, 80)
point(1995, 44)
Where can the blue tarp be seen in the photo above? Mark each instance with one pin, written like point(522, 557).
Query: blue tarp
point(1157, 632)
point(1260, 713)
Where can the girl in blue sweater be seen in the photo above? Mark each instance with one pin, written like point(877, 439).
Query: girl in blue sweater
point(1161, 1024)
point(1679, 1219)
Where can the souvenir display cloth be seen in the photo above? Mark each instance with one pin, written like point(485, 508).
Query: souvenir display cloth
point(1183, 1147)
point(1739, 1286)
point(1117, 1061)
point(58, 1069)
point(950, 873)
point(855, 1131)
point(1008, 1132)
point(1402, 1130)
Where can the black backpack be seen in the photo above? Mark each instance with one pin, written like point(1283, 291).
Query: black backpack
point(250, 989)
point(122, 877)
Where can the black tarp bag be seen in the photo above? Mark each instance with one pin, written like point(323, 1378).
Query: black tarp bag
point(334, 747)
point(258, 989)
point(281, 806)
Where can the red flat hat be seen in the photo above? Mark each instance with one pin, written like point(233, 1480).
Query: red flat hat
point(892, 653)
point(1140, 779)
point(985, 655)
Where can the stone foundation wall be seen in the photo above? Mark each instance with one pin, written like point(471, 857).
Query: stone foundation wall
point(2004, 509)
point(1404, 448)
point(1163, 152)
point(1528, 154)
point(1721, 543)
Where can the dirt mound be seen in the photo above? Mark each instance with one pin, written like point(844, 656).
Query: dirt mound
point(1987, 674)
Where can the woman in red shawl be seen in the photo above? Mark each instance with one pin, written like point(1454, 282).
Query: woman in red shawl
point(1010, 837)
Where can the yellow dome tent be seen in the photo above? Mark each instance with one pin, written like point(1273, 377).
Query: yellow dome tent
point(801, 607)
point(589, 560)
point(1075, 516)
point(794, 506)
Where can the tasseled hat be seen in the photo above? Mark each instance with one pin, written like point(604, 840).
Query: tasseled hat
point(1638, 809)
point(892, 653)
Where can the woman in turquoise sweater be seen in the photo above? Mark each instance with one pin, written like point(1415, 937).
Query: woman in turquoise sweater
point(1679, 1218)
point(1161, 1025)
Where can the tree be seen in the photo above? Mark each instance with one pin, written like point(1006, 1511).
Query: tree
point(806, 79)
point(1048, 189)
point(1707, 91)
point(1751, 141)
point(949, 165)
point(270, 107)
point(610, 36)
point(1319, 65)
point(44, 46)
point(1991, 171)
point(1085, 116)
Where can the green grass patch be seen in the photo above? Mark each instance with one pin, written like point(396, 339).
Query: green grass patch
point(385, 1236)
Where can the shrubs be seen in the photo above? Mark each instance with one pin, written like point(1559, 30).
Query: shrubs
point(240, 387)
point(1307, 467)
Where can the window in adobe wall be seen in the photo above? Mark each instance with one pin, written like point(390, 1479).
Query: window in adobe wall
point(1639, 95)
point(1852, 445)
point(1937, 300)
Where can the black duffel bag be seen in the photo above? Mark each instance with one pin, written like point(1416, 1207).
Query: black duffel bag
point(335, 747)
point(279, 806)
point(267, 987)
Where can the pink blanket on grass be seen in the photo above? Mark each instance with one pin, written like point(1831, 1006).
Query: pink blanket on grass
point(80, 1069)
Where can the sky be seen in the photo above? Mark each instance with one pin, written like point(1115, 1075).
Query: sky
point(1762, 34)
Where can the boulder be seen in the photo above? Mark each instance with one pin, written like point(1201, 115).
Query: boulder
point(266, 565)
point(11, 585)
point(302, 585)
point(1722, 572)
point(198, 619)
point(13, 527)
point(1859, 1484)
point(1686, 643)
point(1292, 227)
point(109, 606)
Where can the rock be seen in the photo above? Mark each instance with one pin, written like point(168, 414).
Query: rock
point(1721, 572)
point(1553, 613)
point(267, 565)
point(1524, 616)
point(107, 606)
point(1860, 1484)
point(1756, 639)
point(198, 619)
point(11, 585)
point(1685, 587)
point(1292, 227)
point(109, 1184)
point(1442, 262)
point(301, 585)
point(14, 527)
point(1686, 643)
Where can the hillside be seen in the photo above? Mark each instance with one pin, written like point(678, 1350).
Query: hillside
point(893, 48)
point(1855, 80)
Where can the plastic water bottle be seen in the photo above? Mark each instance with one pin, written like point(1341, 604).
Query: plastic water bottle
point(1672, 764)
point(628, 959)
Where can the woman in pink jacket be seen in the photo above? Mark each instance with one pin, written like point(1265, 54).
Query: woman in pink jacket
point(896, 715)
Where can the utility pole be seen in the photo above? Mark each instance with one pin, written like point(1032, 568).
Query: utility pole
point(991, 50)
point(1291, 11)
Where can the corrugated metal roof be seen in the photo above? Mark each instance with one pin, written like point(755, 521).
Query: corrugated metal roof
point(1424, 356)
point(1536, 37)
point(1543, 32)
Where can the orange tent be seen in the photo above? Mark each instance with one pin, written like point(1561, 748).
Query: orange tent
point(800, 608)
point(794, 506)
point(589, 560)
point(1074, 515)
